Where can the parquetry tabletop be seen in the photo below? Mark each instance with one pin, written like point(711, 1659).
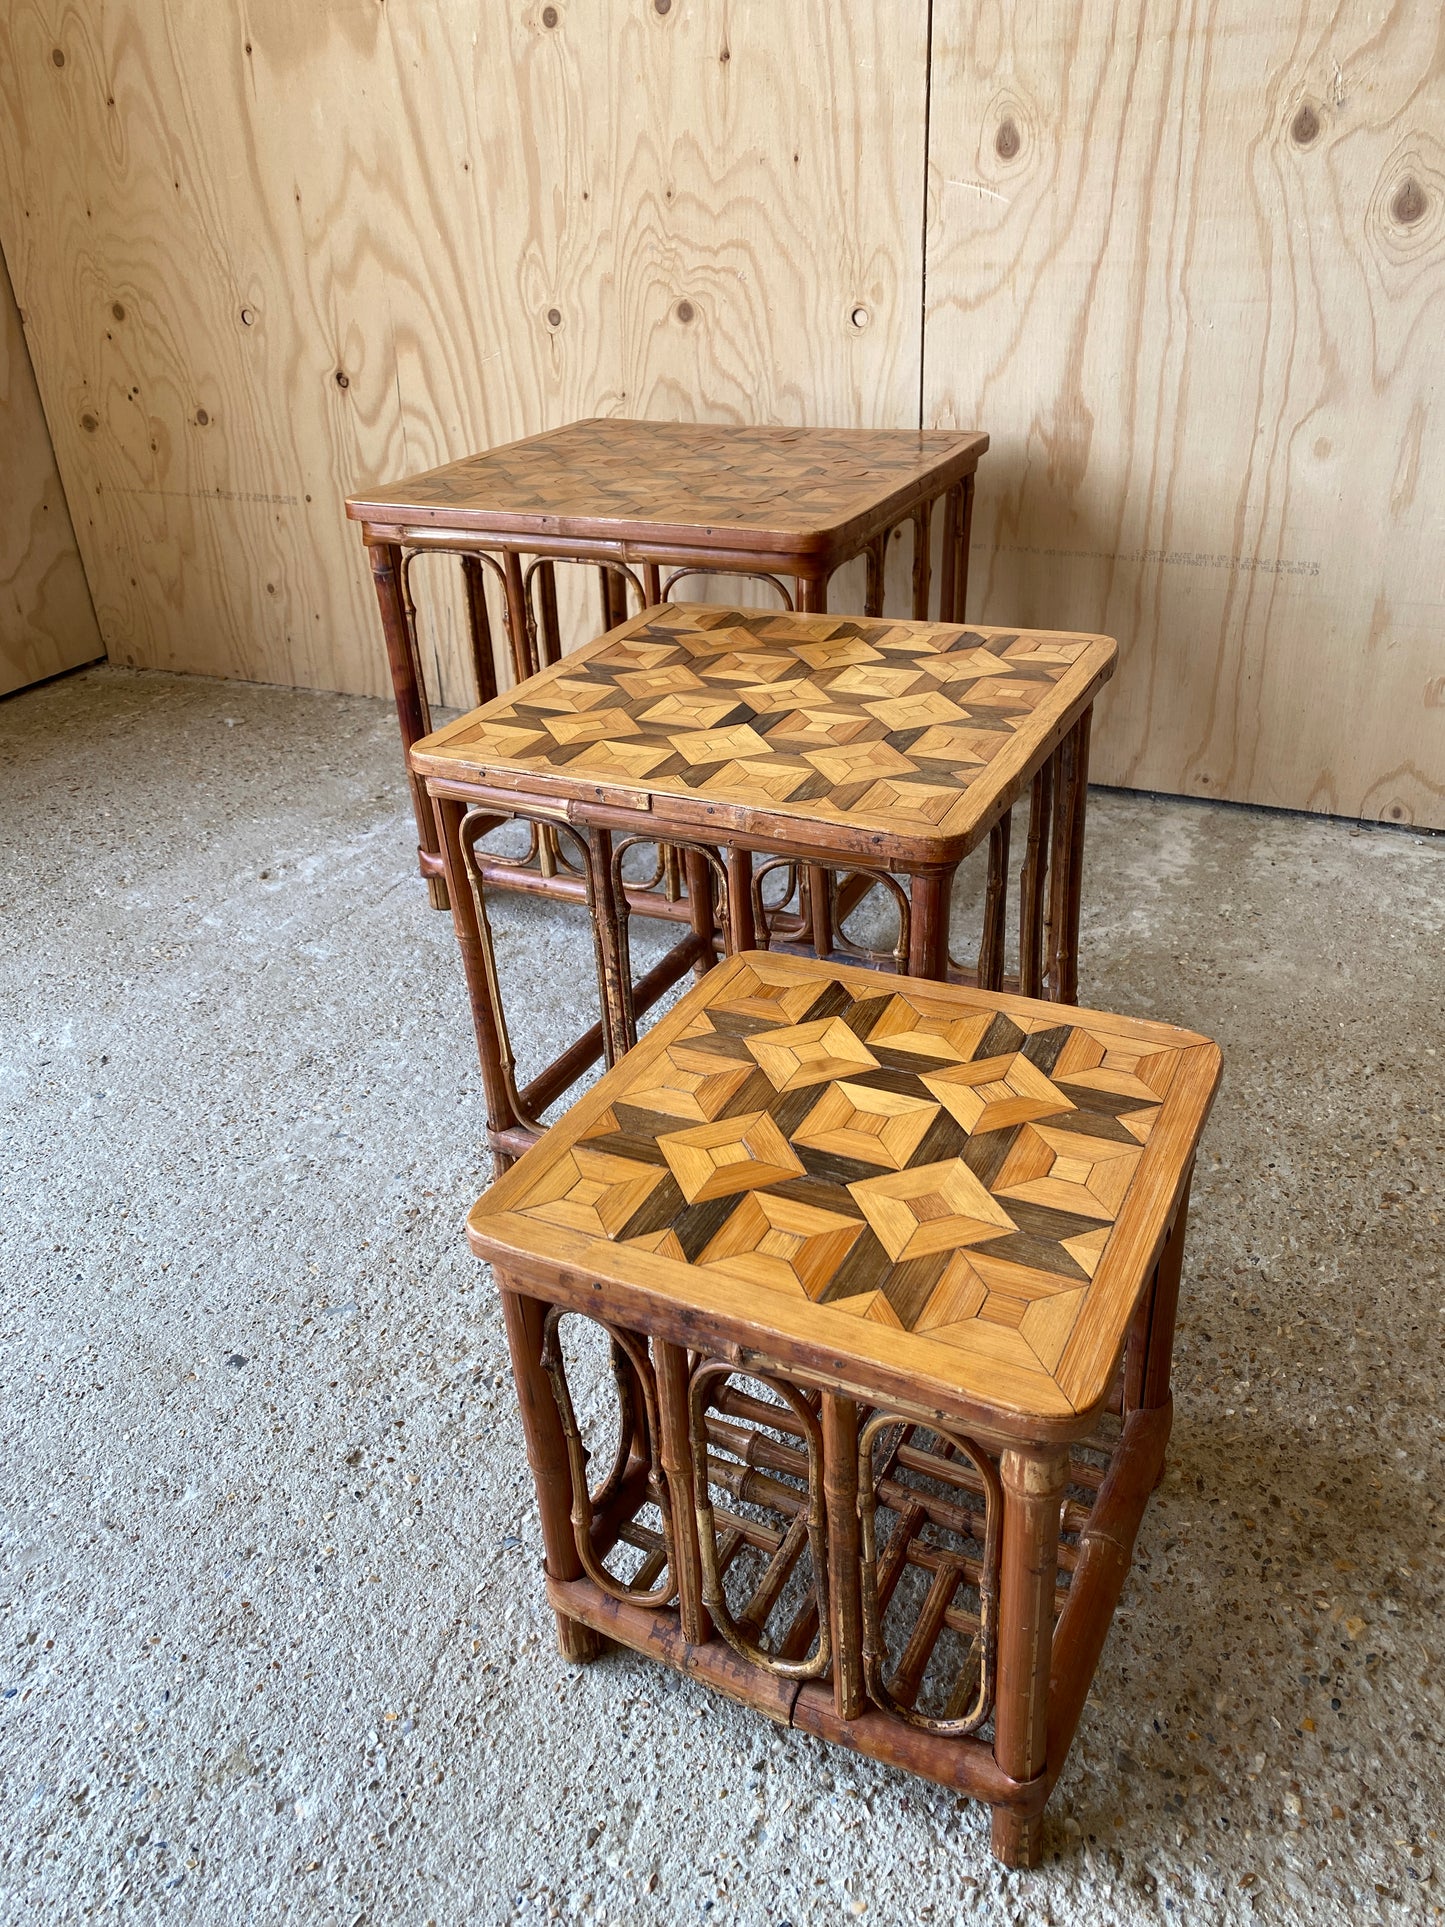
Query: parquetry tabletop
point(902, 736)
point(963, 1190)
point(692, 484)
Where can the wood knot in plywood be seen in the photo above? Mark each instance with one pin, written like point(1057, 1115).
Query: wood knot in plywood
point(1409, 204)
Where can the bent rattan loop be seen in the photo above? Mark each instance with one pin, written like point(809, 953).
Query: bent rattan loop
point(733, 575)
point(620, 889)
point(948, 1574)
point(480, 556)
point(475, 825)
point(875, 879)
point(713, 1373)
point(631, 1373)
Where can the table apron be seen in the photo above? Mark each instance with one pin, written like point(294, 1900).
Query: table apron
point(715, 1335)
point(879, 852)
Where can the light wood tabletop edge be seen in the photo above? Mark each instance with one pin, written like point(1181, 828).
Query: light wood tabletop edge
point(1085, 1369)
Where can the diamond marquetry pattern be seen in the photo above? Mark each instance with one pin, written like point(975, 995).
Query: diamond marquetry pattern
point(865, 723)
point(675, 474)
point(898, 1156)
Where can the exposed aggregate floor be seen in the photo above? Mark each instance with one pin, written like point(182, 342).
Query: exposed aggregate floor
point(273, 1644)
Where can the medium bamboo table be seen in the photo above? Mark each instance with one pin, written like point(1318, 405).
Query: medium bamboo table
point(888, 1275)
point(651, 503)
point(853, 750)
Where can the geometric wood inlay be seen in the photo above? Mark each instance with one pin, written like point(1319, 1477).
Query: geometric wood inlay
point(705, 485)
point(913, 729)
point(979, 1173)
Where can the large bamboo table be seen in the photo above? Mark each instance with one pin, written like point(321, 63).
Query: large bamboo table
point(650, 504)
point(852, 750)
point(888, 1272)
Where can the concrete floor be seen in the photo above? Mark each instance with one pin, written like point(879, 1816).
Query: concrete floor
point(272, 1639)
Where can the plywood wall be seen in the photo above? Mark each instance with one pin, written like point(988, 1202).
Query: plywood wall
point(277, 253)
point(1187, 268)
point(46, 621)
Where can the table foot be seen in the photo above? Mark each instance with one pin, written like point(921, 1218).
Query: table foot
point(1016, 1841)
point(577, 1642)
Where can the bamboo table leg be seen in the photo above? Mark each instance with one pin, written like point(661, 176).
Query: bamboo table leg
point(549, 632)
point(484, 666)
point(613, 948)
point(412, 711)
point(1149, 1356)
point(991, 947)
point(1154, 1390)
point(670, 1367)
point(612, 589)
point(964, 537)
point(547, 1456)
point(814, 600)
point(698, 872)
point(840, 1494)
point(928, 924)
point(741, 930)
point(948, 596)
point(519, 625)
point(877, 553)
point(922, 558)
point(1066, 863)
point(1033, 1489)
point(523, 635)
point(1031, 885)
point(820, 909)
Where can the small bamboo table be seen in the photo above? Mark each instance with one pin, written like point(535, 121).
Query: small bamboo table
point(846, 750)
point(668, 500)
point(888, 1274)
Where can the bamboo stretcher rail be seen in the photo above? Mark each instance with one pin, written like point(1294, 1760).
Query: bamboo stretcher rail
point(909, 1668)
point(967, 1766)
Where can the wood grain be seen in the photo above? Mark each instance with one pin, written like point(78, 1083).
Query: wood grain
point(1188, 269)
point(639, 720)
point(352, 241)
point(46, 621)
point(996, 1259)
